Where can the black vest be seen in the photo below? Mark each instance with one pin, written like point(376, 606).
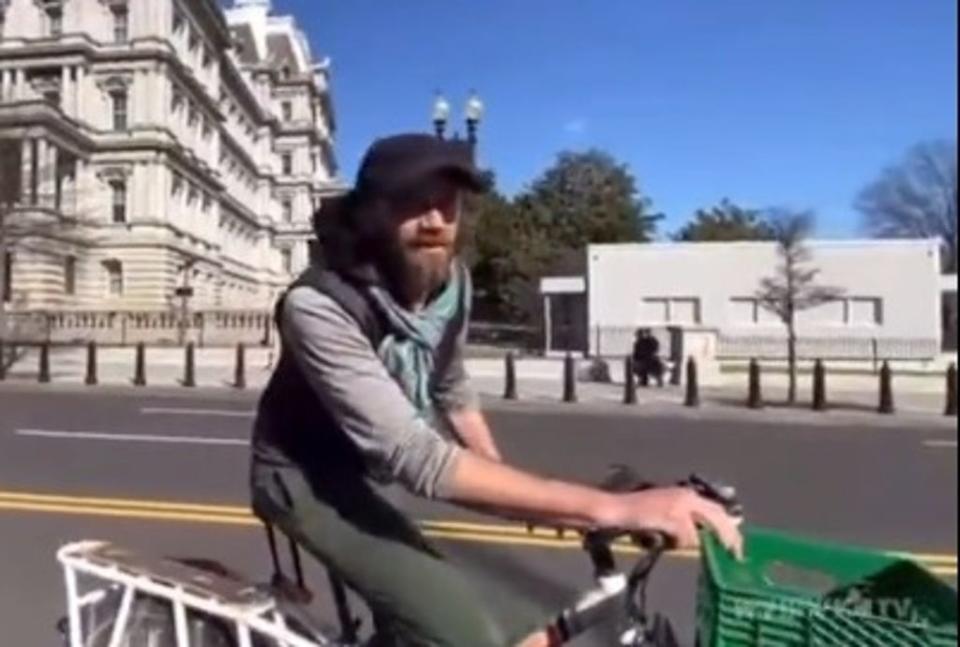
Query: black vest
point(293, 425)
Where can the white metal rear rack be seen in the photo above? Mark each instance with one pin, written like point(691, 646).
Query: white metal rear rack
point(250, 610)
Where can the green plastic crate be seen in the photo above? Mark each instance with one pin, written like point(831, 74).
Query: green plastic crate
point(793, 592)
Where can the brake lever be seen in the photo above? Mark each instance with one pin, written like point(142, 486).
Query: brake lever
point(716, 491)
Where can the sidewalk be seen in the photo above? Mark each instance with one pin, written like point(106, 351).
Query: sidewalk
point(539, 382)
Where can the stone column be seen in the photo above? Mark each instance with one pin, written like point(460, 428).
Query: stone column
point(56, 197)
point(78, 92)
point(44, 185)
point(18, 84)
point(69, 191)
point(3, 85)
point(26, 178)
point(66, 91)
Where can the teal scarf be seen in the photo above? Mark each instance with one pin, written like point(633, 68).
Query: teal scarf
point(409, 346)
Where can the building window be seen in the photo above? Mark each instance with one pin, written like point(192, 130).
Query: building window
point(70, 275)
point(286, 259)
point(287, 109)
point(865, 312)
point(287, 164)
point(830, 313)
point(750, 311)
point(114, 272)
point(8, 277)
point(288, 210)
point(55, 20)
point(121, 23)
point(744, 311)
point(3, 20)
point(677, 311)
point(52, 97)
point(118, 189)
point(119, 100)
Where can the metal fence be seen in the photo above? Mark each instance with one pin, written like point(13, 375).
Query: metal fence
point(508, 336)
point(828, 348)
point(614, 341)
point(123, 328)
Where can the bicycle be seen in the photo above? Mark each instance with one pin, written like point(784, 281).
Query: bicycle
point(200, 603)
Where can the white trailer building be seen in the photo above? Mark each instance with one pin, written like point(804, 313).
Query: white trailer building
point(892, 303)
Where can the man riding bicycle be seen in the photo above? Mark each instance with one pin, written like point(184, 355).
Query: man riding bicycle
point(371, 388)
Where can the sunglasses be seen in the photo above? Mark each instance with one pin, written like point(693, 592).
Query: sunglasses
point(416, 201)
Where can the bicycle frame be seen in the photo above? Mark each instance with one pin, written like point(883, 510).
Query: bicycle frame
point(248, 610)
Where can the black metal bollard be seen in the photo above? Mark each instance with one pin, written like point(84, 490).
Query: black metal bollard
point(240, 374)
point(510, 377)
point(755, 399)
point(951, 408)
point(569, 379)
point(693, 385)
point(189, 366)
point(819, 386)
point(91, 379)
point(3, 360)
point(44, 376)
point(140, 366)
point(629, 382)
point(886, 405)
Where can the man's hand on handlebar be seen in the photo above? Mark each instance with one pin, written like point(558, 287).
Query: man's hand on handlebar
point(675, 512)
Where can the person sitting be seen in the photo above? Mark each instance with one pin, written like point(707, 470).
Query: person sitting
point(646, 358)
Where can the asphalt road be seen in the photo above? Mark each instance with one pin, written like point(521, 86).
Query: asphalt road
point(94, 464)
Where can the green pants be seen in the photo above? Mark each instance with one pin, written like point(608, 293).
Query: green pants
point(417, 597)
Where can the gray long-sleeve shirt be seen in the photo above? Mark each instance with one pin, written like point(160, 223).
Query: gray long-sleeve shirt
point(344, 371)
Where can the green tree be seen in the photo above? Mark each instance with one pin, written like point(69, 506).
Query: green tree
point(488, 246)
point(583, 198)
point(589, 197)
point(725, 222)
point(794, 287)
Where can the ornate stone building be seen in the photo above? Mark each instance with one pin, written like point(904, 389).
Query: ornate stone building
point(148, 145)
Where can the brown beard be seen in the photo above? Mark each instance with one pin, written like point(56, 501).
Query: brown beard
point(412, 275)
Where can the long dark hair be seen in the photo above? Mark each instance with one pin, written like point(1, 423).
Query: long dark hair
point(352, 232)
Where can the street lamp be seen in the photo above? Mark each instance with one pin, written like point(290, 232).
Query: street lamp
point(473, 115)
point(441, 115)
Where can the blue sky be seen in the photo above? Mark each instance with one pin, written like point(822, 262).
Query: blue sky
point(794, 103)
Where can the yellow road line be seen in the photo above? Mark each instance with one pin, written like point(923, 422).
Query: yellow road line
point(127, 513)
point(122, 503)
point(504, 534)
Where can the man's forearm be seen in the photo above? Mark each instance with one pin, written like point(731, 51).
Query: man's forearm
point(471, 427)
point(481, 483)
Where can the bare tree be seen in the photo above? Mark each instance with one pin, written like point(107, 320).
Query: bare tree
point(793, 288)
point(917, 198)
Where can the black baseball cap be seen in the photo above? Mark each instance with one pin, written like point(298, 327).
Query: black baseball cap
point(399, 163)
